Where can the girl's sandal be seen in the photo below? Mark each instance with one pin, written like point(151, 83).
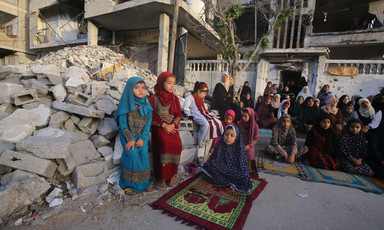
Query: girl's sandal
point(129, 192)
point(150, 188)
point(161, 187)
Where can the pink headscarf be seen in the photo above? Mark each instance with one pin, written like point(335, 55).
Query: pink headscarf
point(229, 112)
point(251, 125)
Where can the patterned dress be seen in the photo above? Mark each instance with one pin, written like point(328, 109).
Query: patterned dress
point(228, 166)
point(317, 143)
point(356, 146)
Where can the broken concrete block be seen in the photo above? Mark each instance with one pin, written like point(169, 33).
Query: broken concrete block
point(186, 139)
point(55, 132)
point(99, 141)
point(77, 72)
point(186, 125)
point(69, 125)
point(18, 125)
point(118, 150)
point(114, 94)
point(16, 196)
point(106, 104)
point(105, 151)
point(45, 147)
point(88, 125)
point(179, 90)
point(44, 114)
point(3, 115)
point(109, 161)
point(52, 72)
point(28, 162)
point(25, 97)
point(82, 99)
point(91, 174)
point(6, 146)
point(8, 90)
point(119, 85)
point(7, 108)
point(16, 176)
point(11, 70)
point(108, 128)
point(124, 75)
point(57, 119)
point(78, 109)
point(41, 88)
point(63, 168)
point(42, 101)
point(188, 155)
point(98, 90)
point(75, 119)
point(83, 152)
point(59, 92)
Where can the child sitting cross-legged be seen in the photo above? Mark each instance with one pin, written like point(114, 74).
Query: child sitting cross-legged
point(228, 166)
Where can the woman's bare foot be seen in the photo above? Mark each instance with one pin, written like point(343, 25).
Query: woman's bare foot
point(173, 180)
point(161, 185)
point(232, 188)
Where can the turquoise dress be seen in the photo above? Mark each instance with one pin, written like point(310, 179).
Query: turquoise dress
point(135, 168)
point(134, 116)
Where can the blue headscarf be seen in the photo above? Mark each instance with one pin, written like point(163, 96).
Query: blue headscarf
point(128, 100)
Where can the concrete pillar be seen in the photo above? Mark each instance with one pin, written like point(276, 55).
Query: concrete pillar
point(162, 56)
point(92, 33)
point(317, 76)
point(262, 77)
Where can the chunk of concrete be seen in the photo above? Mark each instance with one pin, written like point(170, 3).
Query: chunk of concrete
point(52, 72)
point(99, 141)
point(114, 94)
point(3, 115)
point(124, 75)
point(77, 72)
point(25, 97)
point(6, 146)
point(97, 90)
point(63, 168)
point(41, 88)
point(8, 90)
point(7, 108)
point(88, 125)
point(118, 150)
point(44, 115)
point(83, 152)
point(78, 109)
point(16, 177)
point(18, 125)
point(186, 125)
point(106, 104)
point(82, 99)
point(108, 128)
point(28, 162)
point(91, 174)
point(59, 92)
point(45, 147)
point(11, 70)
point(16, 196)
point(105, 151)
point(57, 119)
point(119, 85)
point(69, 125)
point(188, 155)
point(186, 139)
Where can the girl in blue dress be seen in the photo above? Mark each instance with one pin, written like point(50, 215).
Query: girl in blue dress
point(134, 117)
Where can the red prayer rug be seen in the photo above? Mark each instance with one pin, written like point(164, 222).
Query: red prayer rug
point(196, 202)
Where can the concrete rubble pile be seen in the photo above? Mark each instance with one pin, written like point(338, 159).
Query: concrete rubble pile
point(57, 118)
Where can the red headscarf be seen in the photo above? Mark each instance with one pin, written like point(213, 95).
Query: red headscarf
point(165, 97)
point(251, 125)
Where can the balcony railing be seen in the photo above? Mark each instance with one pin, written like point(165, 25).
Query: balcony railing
point(216, 65)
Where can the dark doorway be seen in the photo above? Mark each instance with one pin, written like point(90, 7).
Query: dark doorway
point(291, 78)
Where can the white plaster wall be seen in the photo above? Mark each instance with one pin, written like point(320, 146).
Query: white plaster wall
point(377, 8)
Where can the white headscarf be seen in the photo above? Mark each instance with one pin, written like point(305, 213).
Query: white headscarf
point(331, 106)
point(366, 112)
point(274, 103)
point(280, 112)
point(304, 95)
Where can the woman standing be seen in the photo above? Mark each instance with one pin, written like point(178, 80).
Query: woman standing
point(165, 136)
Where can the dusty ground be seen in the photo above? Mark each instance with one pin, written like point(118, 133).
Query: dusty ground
point(277, 207)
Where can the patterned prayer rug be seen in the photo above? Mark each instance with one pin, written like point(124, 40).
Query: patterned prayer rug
point(377, 181)
point(199, 203)
point(344, 179)
point(266, 164)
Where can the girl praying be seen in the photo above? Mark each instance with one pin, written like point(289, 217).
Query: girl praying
point(283, 108)
point(228, 166)
point(209, 126)
point(134, 116)
point(348, 113)
point(165, 136)
point(249, 131)
point(283, 142)
point(354, 149)
point(322, 144)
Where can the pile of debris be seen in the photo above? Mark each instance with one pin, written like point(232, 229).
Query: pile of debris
point(57, 121)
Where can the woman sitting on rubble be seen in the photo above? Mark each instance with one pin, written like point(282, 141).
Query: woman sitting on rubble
point(165, 136)
point(209, 126)
point(134, 117)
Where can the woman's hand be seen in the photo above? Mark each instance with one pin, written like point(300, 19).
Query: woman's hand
point(169, 128)
point(247, 147)
point(130, 144)
point(139, 143)
point(338, 127)
point(291, 158)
